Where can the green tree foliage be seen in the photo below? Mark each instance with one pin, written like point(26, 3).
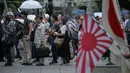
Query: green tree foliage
point(13, 5)
point(124, 4)
point(96, 5)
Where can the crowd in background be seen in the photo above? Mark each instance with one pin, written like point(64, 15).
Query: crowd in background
point(23, 37)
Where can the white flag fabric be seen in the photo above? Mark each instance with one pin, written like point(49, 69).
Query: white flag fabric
point(111, 22)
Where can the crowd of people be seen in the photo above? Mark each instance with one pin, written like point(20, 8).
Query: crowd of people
point(27, 37)
point(22, 37)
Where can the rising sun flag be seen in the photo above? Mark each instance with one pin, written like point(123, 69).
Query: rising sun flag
point(93, 44)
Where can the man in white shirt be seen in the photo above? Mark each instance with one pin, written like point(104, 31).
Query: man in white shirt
point(39, 36)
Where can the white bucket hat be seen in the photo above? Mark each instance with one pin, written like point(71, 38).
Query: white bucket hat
point(46, 16)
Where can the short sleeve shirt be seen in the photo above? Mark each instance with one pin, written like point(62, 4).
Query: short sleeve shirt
point(56, 27)
point(63, 29)
point(47, 25)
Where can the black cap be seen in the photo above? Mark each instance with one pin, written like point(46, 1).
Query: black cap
point(17, 14)
point(24, 13)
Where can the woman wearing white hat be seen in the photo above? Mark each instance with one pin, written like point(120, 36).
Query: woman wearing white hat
point(45, 20)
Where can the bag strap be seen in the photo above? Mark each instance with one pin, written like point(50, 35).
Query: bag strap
point(69, 32)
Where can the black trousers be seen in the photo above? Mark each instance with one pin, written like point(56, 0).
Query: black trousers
point(75, 45)
point(54, 53)
point(1, 52)
point(8, 53)
point(33, 51)
point(54, 50)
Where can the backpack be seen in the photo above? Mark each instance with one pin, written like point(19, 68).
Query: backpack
point(26, 27)
point(19, 29)
point(70, 33)
point(10, 40)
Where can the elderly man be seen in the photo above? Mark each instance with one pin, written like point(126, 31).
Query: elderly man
point(26, 39)
point(39, 37)
point(8, 38)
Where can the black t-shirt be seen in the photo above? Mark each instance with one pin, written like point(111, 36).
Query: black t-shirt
point(26, 26)
point(19, 25)
point(56, 27)
point(19, 28)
